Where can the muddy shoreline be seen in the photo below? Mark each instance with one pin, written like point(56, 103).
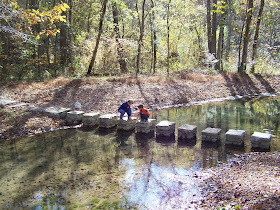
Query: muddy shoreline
point(105, 95)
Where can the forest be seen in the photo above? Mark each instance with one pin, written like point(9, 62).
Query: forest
point(76, 38)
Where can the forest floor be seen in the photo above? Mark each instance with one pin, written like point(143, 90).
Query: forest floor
point(105, 94)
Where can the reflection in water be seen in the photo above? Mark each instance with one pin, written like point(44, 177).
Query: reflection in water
point(156, 187)
point(87, 168)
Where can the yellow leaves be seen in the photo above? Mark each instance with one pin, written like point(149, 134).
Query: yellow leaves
point(63, 7)
point(45, 18)
point(62, 18)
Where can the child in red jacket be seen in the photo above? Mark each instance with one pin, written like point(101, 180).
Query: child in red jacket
point(144, 113)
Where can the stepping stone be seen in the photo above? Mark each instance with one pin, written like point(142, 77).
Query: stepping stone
point(261, 140)
point(165, 128)
point(74, 117)
point(33, 108)
point(91, 119)
point(108, 121)
point(235, 137)
point(127, 125)
point(187, 132)
point(4, 102)
point(18, 106)
point(145, 127)
point(57, 112)
point(211, 134)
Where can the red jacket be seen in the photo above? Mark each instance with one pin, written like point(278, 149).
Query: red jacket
point(144, 111)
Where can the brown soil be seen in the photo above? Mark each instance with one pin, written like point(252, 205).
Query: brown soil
point(251, 181)
point(228, 186)
point(106, 94)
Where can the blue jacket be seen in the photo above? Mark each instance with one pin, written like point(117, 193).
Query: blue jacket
point(126, 108)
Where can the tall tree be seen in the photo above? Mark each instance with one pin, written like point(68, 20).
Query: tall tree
point(120, 50)
point(219, 64)
point(63, 42)
point(168, 36)
point(141, 23)
point(256, 37)
point(209, 28)
point(214, 29)
point(70, 33)
point(154, 37)
point(230, 29)
point(103, 11)
point(242, 67)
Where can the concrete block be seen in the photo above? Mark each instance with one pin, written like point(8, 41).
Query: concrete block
point(235, 137)
point(127, 125)
point(211, 134)
point(18, 106)
point(261, 140)
point(187, 132)
point(74, 117)
point(108, 121)
point(165, 128)
point(145, 127)
point(56, 112)
point(91, 119)
point(4, 102)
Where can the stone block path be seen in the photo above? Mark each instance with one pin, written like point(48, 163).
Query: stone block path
point(187, 132)
point(164, 128)
point(235, 137)
point(261, 140)
point(211, 134)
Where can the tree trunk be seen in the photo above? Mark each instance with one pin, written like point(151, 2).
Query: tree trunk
point(209, 34)
point(98, 37)
point(140, 41)
point(242, 67)
point(168, 36)
point(240, 43)
point(256, 37)
point(120, 50)
point(229, 26)
point(69, 34)
point(214, 29)
point(154, 38)
point(221, 39)
point(63, 43)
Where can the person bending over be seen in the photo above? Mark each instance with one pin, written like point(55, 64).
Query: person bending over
point(144, 114)
point(125, 108)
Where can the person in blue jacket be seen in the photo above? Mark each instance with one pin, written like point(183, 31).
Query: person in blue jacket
point(125, 108)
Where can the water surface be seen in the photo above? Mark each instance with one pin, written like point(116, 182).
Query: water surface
point(93, 168)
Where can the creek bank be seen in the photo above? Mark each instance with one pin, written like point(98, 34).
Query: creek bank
point(105, 95)
point(229, 186)
point(249, 181)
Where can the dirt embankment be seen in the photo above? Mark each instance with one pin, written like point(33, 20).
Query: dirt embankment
point(106, 94)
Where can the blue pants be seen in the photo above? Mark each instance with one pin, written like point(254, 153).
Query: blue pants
point(144, 117)
point(122, 111)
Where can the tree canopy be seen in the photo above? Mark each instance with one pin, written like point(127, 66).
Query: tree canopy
point(43, 39)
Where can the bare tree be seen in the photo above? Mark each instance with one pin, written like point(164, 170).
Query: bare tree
point(103, 11)
point(256, 37)
point(140, 40)
point(154, 38)
point(242, 67)
point(168, 35)
point(209, 25)
point(219, 64)
point(214, 29)
point(120, 51)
